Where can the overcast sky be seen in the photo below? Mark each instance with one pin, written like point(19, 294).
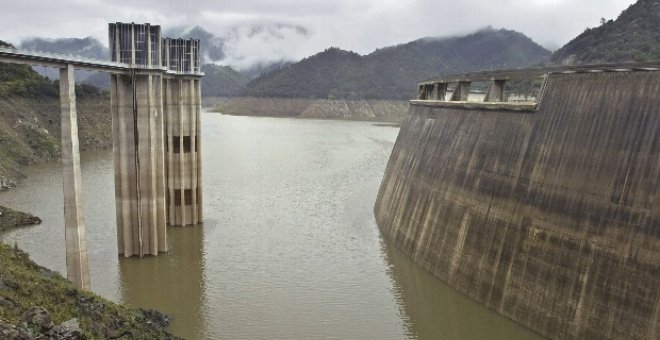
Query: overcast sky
point(293, 29)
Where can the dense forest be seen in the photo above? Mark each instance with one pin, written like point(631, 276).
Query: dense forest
point(30, 119)
point(633, 37)
point(222, 81)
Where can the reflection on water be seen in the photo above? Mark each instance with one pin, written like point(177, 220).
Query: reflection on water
point(41, 194)
point(289, 247)
point(178, 280)
point(435, 311)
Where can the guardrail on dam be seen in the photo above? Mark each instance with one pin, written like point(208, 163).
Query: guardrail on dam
point(545, 209)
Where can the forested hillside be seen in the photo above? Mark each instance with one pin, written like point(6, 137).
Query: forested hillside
point(392, 72)
point(222, 81)
point(30, 119)
point(633, 37)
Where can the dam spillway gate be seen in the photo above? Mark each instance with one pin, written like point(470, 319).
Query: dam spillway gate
point(155, 105)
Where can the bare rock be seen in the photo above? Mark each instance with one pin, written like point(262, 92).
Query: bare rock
point(38, 319)
point(68, 330)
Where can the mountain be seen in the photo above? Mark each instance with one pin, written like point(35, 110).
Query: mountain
point(260, 68)
point(30, 119)
point(392, 72)
point(250, 48)
point(633, 37)
point(99, 80)
point(222, 81)
point(331, 73)
point(212, 46)
point(86, 47)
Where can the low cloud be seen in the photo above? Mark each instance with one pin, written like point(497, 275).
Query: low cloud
point(256, 31)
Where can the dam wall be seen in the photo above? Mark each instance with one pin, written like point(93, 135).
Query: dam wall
point(549, 215)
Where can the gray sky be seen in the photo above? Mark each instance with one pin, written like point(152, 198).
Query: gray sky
point(264, 30)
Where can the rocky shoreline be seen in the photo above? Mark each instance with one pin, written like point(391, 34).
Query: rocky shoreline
point(10, 219)
point(30, 132)
point(37, 303)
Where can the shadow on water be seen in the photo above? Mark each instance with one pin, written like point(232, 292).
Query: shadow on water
point(433, 310)
point(173, 283)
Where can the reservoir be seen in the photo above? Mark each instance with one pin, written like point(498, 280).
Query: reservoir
point(289, 248)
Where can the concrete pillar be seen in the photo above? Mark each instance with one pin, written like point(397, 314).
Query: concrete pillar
point(137, 118)
point(495, 91)
point(421, 95)
point(161, 186)
point(124, 154)
point(439, 91)
point(198, 148)
point(139, 164)
point(77, 266)
point(183, 107)
point(461, 92)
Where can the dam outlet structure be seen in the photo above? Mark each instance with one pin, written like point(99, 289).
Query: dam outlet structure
point(155, 104)
point(182, 104)
point(542, 200)
point(156, 126)
point(138, 135)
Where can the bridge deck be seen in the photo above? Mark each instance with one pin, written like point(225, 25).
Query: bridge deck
point(56, 60)
point(35, 58)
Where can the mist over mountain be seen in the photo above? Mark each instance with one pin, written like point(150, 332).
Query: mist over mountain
point(212, 46)
point(633, 37)
point(86, 47)
point(251, 49)
point(216, 53)
point(234, 67)
point(393, 72)
point(261, 69)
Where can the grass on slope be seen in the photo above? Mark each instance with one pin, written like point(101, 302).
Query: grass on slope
point(24, 285)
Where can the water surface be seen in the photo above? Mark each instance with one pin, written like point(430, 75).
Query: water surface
point(289, 247)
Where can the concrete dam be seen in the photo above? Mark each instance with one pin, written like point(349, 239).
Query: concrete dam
point(546, 210)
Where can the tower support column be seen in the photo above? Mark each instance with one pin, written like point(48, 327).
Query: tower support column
point(77, 267)
point(139, 164)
